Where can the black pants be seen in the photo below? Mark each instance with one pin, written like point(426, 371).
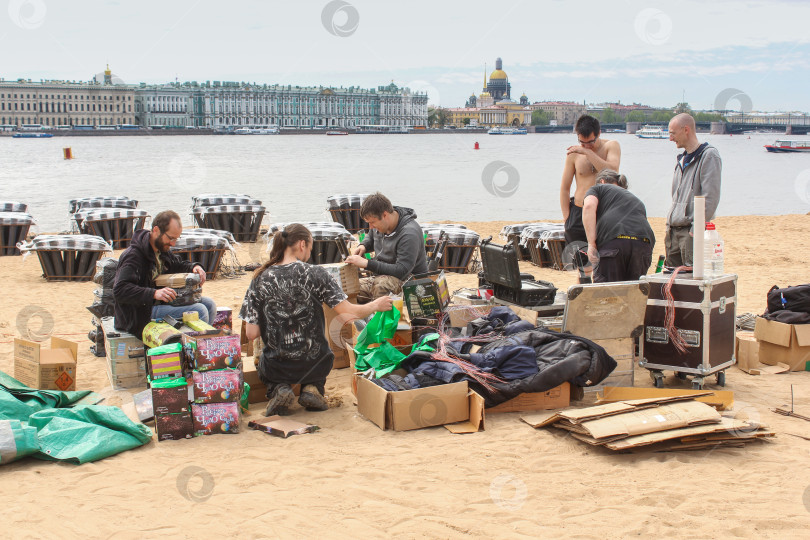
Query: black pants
point(574, 229)
point(622, 259)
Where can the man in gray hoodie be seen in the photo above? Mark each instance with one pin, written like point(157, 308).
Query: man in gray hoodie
point(398, 245)
point(696, 173)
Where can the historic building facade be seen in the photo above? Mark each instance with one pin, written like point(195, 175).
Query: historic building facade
point(237, 104)
point(565, 113)
point(66, 103)
point(164, 106)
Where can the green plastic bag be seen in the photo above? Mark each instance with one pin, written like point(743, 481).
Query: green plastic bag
point(244, 404)
point(385, 358)
point(382, 326)
point(423, 344)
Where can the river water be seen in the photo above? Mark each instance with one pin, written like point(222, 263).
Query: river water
point(440, 175)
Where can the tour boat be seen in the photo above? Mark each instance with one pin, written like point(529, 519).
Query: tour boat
point(336, 133)
point(652, 132)
point(32, 135)
point(507, 131)
point(787, 146)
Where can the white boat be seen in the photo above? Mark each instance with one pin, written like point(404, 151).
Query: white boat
point(336, 133)
point(788, 146)
point(652, 132)
point(507, 131)
point(257, 130)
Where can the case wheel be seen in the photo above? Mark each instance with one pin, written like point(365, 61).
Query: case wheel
point(697, 384)
point(657, 378)
point(681, 375)
point(721, 378)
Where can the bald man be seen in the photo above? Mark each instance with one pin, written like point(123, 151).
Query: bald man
point(697, 172)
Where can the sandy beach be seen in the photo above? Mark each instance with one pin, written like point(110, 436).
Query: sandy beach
point(353, 480)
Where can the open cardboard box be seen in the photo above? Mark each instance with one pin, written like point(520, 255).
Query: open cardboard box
point(451, 405)
point(783, 343)
point(45, 368)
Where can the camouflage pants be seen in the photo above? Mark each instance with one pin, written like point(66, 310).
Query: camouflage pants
point(374, 287)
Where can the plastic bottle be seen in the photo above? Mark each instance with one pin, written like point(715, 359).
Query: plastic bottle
point(660, 266)
point(713, 252)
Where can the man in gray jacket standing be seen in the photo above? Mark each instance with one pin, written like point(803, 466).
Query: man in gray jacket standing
point(398, 245)
point(697, 172)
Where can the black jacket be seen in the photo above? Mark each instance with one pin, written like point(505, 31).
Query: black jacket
point(134, 290)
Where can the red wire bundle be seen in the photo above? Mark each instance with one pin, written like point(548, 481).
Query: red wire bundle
point(669, 318)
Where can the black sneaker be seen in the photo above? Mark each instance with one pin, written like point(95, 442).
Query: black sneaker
point(281, 400)
point(312, 399)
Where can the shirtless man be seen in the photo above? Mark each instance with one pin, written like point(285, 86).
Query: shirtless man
point(582, 163)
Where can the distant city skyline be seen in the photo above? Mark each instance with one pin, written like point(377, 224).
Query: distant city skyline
point(629, 51)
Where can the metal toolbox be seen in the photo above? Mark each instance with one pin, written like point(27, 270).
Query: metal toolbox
point(501, 269)
point(612, 316)
point(704, 316)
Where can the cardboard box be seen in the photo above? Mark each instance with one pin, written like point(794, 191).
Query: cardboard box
point(247, 344)
point(217, 386)
point(172, 427)
point(339, 332)
point(207, 352)
point(258, 391)
point(460, 316)
point(425, 295)
point(216, 418)
point(783, 343)
point(423, 407)
point(165, 361)
point(170, 400)
point(746, 350)
point(44, 368)
point(556, 398)
point(346, 275)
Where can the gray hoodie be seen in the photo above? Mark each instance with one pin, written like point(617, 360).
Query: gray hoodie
point(701, 176)
point(400, 253)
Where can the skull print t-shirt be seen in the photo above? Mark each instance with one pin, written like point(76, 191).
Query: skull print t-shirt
point(285, 302)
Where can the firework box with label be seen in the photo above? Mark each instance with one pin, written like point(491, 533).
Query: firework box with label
point(425, 295)
point(345, 275)
point(205, 352)
point(217, 386)
point(215, 418)
point(46, 368)
point(172, 427)
point(223, 320)
point(165, 361)
point(452, 405)
point(781, 343)
point(199, 326)
point(170, 396)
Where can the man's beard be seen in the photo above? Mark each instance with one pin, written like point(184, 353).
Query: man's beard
point(162, 248)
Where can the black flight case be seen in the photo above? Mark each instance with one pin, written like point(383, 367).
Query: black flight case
point(704, 316)
point(501, 269)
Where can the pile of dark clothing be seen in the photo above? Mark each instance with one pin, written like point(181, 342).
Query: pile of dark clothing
point(789, 305)
point(524, 358)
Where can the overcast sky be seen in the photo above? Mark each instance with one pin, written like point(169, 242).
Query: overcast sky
point(621, 50)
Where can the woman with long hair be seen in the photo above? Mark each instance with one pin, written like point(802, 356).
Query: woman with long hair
point(283, 305)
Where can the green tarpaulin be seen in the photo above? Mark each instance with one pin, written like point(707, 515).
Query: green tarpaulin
point(62, 426)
